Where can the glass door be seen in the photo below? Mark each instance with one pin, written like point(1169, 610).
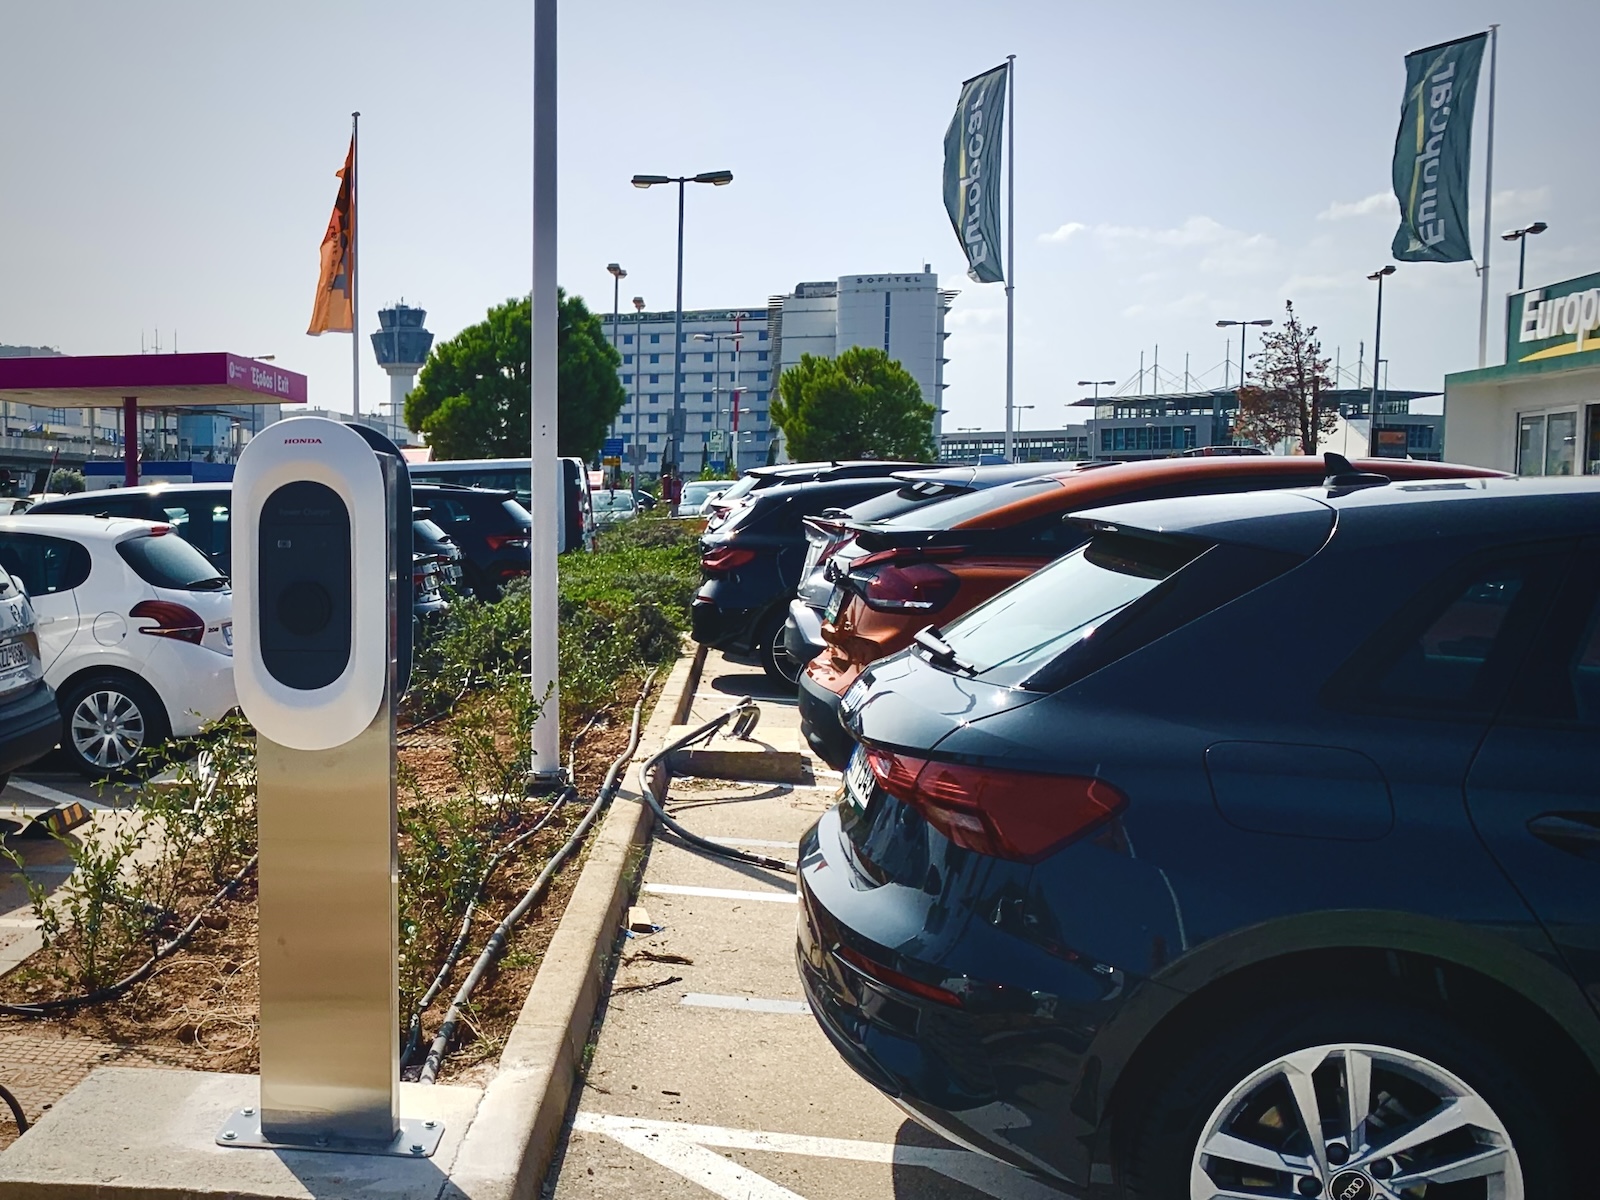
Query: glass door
point(1547, 443)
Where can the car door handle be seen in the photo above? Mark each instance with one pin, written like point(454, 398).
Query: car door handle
point(1578, 833)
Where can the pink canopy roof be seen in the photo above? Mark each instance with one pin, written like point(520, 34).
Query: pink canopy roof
point(154, 380)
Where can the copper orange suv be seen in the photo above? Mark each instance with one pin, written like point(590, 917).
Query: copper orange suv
point(936, 562)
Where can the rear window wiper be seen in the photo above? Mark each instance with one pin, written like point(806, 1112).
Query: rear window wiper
point(215, 583)
point(941, 652)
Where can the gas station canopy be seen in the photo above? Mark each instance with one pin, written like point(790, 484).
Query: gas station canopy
point(151, 380)
point(134, 381)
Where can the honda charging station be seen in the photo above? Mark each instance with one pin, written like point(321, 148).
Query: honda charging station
point(322, 650)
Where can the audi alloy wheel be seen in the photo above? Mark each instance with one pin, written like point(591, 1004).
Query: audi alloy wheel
point(1354, 1122)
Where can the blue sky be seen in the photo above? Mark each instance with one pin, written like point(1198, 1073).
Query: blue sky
point(171, 166)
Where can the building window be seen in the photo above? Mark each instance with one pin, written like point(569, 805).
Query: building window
point(705, 397)
point(655, 419)
point(627, 339)
point(761, 376)
point(1547, 443)
point(627, 360)
point(761, 356)
point(655, 338)
point(655, 399)
point(655, 378)
point(627, 379)
point(709, 357)
point(654, 438)
point(655, 358)
point(705, 379)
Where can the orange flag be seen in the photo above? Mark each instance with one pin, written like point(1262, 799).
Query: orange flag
point(332, 311)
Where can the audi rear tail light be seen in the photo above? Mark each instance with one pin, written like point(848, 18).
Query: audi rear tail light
point(726, 558)
point(508, 541)
point(898, 979)
point(1017, 815)
point(171, 620)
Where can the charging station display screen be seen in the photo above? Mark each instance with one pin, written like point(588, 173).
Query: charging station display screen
point(304, 592)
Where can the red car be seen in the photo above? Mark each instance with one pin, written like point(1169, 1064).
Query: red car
point(941, 560)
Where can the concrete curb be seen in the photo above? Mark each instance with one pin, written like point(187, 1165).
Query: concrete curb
point(513, 1138)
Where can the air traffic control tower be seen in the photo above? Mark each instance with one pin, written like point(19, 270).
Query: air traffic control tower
point(401, 344)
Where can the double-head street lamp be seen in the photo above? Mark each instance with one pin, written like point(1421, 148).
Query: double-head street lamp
point(1520, 236)
point(1216, 403)
point(1377, 351)
point(1097, 384)
point(716, 179)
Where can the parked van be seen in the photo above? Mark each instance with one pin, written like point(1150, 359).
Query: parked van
point(574, 504)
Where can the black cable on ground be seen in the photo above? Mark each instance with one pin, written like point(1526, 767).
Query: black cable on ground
point(744, 706)
point(414, 1026)
point(111, 991)
point(16, 1110)
point(497, 940)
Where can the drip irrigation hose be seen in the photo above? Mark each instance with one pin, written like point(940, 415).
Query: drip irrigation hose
point(111, 991)
point(414, 1026)
point(497, 940)
point(16, 1110)
point(742, 714)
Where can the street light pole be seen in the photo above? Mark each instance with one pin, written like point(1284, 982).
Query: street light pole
point(1377, 351)
point(716, 179)
point(1520, 236)
point(617, 276)
point(638, 438)
point(1097, 384)
point(1216, 401)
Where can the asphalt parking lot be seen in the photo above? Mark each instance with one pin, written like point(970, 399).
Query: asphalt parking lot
point(709, 1076)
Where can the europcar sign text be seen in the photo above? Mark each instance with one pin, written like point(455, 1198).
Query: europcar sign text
point(1553, 321)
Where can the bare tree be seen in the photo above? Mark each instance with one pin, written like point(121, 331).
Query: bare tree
point(1289, 400)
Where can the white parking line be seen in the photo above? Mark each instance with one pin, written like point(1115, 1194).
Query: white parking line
point(747, 1003)
point(771, 843)
point(683, 889)
point(683, 1150)
point(45, 792)
point(19, 922)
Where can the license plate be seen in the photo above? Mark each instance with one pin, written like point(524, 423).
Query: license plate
point(227, 632)
point(835, 605)
point(858, 780)
point(13, 654)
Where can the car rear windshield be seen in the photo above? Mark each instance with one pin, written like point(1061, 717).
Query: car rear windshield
point(165, 560)
point(1011, 637)
point(743, 488)
point(912, 496)
point(517, 513)
point(947, 514)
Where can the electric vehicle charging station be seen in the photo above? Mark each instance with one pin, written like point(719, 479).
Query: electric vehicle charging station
point(322, 652)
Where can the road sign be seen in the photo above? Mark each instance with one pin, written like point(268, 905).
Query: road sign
point(716, 441)
point(611, 460)
point(611, 447)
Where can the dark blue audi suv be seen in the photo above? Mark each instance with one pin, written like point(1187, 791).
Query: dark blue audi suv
point(1250, 850)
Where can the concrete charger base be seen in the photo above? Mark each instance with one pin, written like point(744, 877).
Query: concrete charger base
point(137, 1134)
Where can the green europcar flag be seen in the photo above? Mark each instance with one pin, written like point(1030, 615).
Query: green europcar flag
point(972, 172)
point(1433, 152)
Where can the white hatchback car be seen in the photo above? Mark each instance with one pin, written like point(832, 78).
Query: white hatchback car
point(135, 631)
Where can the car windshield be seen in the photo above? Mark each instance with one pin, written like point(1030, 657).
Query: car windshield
point(1008, 638)
point(913, 496)
point(167, 561)
point(696, 493)
point(948, 513)
point(613, 502)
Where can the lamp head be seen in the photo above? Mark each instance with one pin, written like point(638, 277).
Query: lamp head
point(644, 181)
point(616, 271)
point(1263, 324)
point(638, 303)
point(1538, 227)
point(718, 178)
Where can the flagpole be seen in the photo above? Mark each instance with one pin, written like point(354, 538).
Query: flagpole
point(355, 260)
point(1011, 240)
point(1488, 207)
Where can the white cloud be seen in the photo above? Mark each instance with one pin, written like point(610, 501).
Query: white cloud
point(1062, 232)
point(1377, 204)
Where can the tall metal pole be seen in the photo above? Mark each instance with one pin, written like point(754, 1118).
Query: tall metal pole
point(677, 350)
point(1522, 259)
point(355, 298)
point(1377, 353)
point(1243, 329)
point(546, 468)
point(638, 370)
point(1488, 216)
point(616, 310)
point(1011, 240)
